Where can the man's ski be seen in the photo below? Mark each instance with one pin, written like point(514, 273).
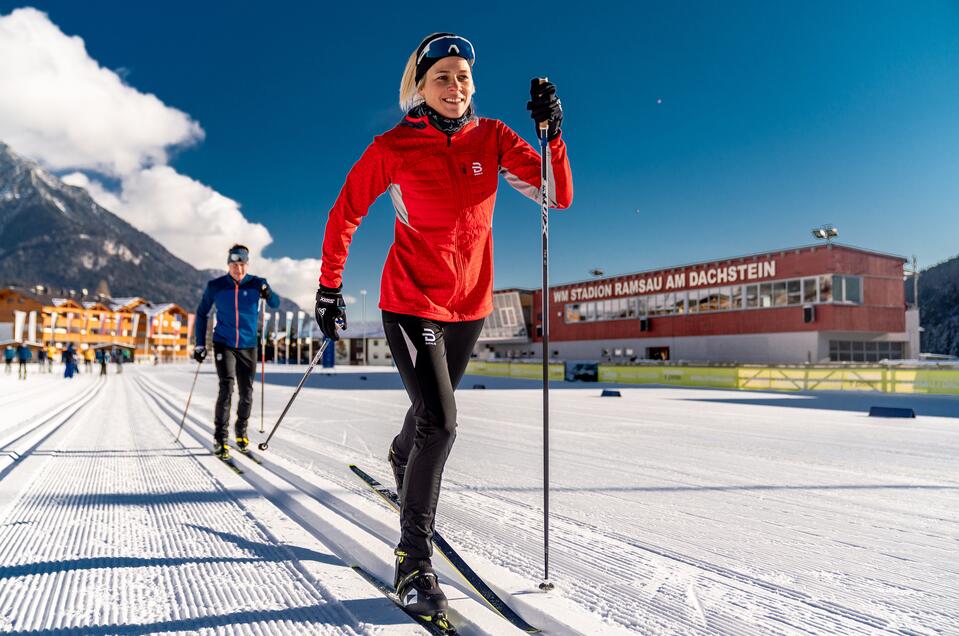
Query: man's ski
point(446, 550)
point(438, 625)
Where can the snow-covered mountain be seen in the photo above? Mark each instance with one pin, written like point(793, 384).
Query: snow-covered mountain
point(56, 234)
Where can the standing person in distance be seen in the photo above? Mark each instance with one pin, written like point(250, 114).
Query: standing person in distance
point(440, 165)
point(23, 357)
point(9, 353)
point(70, 360)
point(236, 297)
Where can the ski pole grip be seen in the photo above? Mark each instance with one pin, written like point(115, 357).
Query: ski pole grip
point(543, 125)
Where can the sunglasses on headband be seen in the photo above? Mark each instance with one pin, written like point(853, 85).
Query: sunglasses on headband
point(241, 256)
point(446, 45)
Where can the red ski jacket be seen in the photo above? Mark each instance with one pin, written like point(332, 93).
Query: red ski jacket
point(440, 265)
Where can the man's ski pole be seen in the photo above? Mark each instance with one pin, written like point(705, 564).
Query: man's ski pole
point(546, 585)
point(188, 398)
point(262, 362)
point(265, 444)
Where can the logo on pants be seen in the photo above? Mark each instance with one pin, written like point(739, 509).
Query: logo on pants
point(429, 336)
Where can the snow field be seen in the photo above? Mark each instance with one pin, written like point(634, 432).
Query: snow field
point(673, 511)
point(116, 530)
point(677, 510)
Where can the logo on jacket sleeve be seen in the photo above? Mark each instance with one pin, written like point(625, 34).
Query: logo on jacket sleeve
point(477, 168)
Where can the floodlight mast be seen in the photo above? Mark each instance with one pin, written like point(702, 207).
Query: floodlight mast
point(826, 233)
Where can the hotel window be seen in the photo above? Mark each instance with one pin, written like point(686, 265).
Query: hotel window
point(810, 290)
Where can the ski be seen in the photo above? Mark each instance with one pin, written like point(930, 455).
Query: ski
point(229, 462)
point(492, 599)
point(438, 625)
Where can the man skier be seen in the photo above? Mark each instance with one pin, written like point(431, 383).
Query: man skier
point(236, 297)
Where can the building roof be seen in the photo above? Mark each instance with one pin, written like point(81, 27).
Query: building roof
point(128, 302)
point(28, 293)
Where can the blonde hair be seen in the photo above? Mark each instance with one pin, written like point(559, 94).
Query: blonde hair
point(409, 89)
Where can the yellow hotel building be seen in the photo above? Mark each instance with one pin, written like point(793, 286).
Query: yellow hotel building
point(143, 328)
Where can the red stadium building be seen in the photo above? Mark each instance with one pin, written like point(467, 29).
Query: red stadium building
point(815, 303)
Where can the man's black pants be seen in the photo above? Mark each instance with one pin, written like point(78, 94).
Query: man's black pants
point(237, 365)
point(431, 357)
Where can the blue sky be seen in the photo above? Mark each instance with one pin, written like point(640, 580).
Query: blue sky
point(774, 117)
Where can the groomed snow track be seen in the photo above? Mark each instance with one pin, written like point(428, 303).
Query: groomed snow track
point(109, 527)
point(339, 518)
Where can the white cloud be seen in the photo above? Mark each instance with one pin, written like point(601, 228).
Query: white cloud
point(60, 107)
point(198, 224)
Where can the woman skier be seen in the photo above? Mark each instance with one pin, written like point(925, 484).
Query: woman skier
point(440, 165)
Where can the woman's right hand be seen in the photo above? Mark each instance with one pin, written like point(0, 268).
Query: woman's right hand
point(330, 311)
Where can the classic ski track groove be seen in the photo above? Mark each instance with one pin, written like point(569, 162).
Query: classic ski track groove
point(102, 541)
point(462, 625)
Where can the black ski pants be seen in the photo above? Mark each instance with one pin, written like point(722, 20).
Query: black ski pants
point(431, 357)
point(237, 365)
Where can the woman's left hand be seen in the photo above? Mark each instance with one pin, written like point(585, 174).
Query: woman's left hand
point(544, 105)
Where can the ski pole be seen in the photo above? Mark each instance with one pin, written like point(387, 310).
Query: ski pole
point(265, 444)
point(189, 397)
point(262, 363)
point(545, 585)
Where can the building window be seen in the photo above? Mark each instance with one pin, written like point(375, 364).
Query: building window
point(766, 295)
point(782, 293)
point(859, 351)
point(825, 289)
point(779, 294)
point(810, 290)
point(847, 289)
point(793, 292)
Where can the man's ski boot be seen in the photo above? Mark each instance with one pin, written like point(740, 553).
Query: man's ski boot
point(399, 470)
point(242, 443)
point(418, 589)
point(221, 450)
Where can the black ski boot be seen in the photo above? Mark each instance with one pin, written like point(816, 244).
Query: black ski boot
point(242, 443)
point(418, 588)
point(399, 470)
point(221, 450)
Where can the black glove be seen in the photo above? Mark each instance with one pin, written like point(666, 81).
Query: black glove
point(330, 310)
point(545, 106)
point(265, 291)
point(199, 354)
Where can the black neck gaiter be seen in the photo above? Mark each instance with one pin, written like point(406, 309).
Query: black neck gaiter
point(441, 123)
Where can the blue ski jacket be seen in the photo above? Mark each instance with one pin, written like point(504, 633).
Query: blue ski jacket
point(236, 311)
